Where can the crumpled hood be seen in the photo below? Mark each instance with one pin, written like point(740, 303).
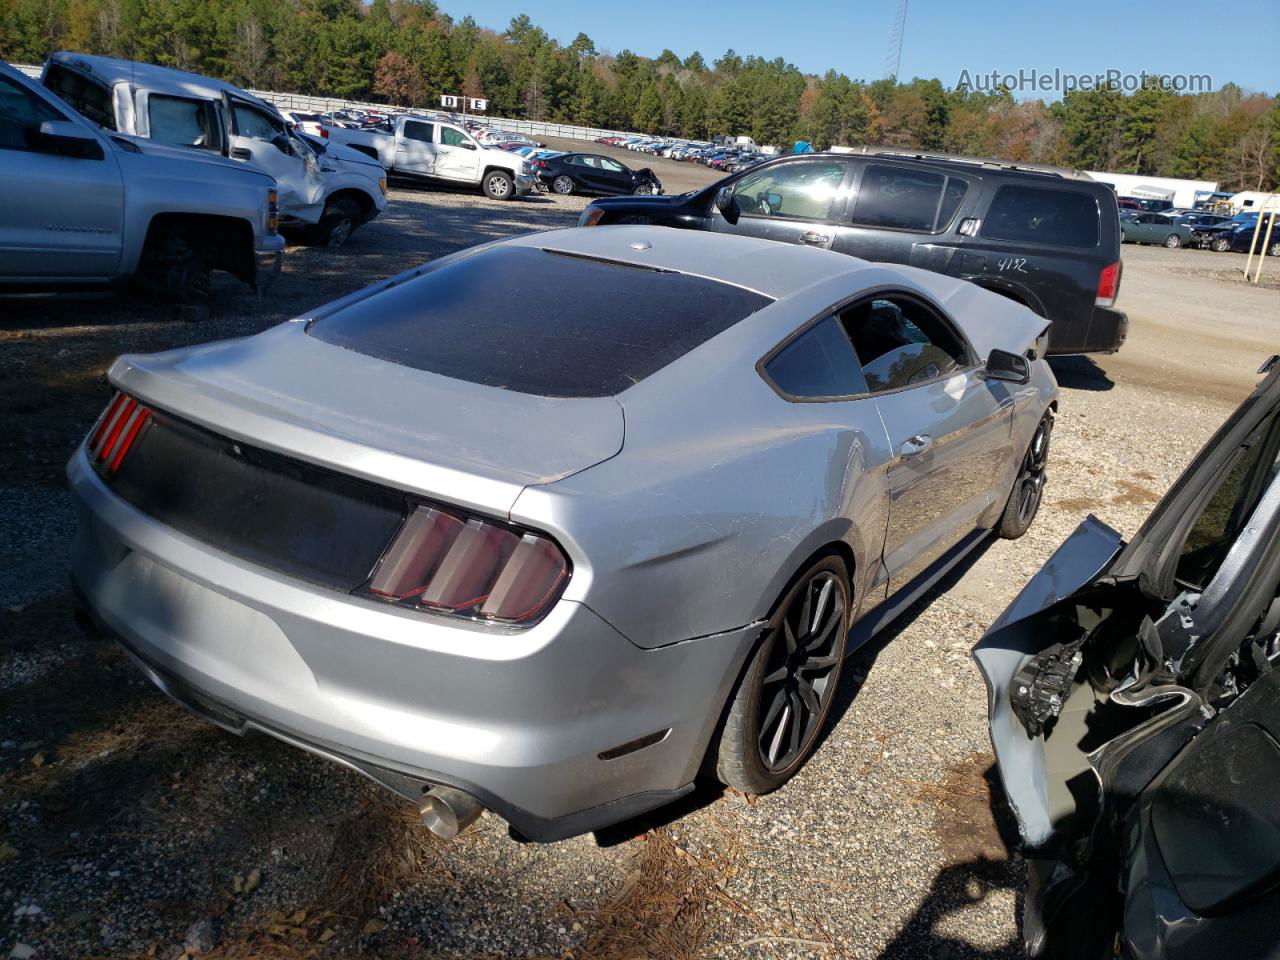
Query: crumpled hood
point(991, 321)
point(422, 432)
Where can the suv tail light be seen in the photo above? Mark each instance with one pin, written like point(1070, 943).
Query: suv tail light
point(113, 435)
point(452, 563)
point(1108, 285)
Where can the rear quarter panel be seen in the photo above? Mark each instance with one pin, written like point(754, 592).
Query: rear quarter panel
point(723, 490)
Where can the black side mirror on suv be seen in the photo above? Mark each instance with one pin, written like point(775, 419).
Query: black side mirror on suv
point(727, 204)
point(1010, 367)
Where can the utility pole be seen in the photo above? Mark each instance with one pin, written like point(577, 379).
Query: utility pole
point(893, 62)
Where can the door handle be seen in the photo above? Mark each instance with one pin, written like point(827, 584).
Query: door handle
point(241, 153)
point(814, 237)
point(914, 446)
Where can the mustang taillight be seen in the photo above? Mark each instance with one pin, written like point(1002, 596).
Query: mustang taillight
point(112, 437)
point(453, 563)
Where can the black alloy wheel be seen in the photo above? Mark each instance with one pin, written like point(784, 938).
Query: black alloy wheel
point(1028, 487)
point(785, 695)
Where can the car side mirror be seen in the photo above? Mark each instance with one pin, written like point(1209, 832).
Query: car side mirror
point(281, 143)
point(66, 139)
point(468, 145)
point(1010, 367)
point(727, 204)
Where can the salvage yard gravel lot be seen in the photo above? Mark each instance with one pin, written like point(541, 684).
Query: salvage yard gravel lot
point(129, 829)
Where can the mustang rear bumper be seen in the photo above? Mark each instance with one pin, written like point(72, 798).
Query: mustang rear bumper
point(519, 719)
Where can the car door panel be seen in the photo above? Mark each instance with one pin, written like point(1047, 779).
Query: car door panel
point(453, 160)
point(63, 215)
point(415, 147)
point(255, 135)
point(800, 202)
point(888, 231)
point(939, 494)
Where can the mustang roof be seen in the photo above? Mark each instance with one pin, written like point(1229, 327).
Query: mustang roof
point(774, 269)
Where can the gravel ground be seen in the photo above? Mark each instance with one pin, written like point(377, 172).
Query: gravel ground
point(129, 829)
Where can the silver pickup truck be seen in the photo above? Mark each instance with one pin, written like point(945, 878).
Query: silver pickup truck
point(326, 191)
point(84, 206)
point(428, 148)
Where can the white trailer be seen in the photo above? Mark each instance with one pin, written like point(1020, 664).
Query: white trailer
point(1181, 192)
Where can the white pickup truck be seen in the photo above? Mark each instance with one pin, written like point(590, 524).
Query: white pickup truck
point(86, 207)
point(326, 191)
point(431, 149)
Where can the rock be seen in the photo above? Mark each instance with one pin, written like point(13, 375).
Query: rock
point(374, 926)
point(199, 937)
point(7, 852)
point(22, 951)
point(329, 934)
point(253, 880)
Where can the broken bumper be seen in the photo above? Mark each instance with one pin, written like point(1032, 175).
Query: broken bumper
point(519, 719)
point(527, 184)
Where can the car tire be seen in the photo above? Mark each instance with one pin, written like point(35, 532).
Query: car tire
point(176, 267)
point(562, 185)
point(1274, 249)
point(1173, 241)
point(1220, 245)
point(642, 190)
point(336, 224)
point(1028, 486)
point(498, 185)
point(771, 725)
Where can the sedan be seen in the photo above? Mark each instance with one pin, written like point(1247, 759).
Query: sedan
point(591, 173)
point(558, 561)
point(1134, 693)
point(1155, 228)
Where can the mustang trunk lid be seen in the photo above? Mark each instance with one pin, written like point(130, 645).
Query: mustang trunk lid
point(408, 429)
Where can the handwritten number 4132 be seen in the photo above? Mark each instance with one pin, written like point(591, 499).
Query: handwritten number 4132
point(1014, 264)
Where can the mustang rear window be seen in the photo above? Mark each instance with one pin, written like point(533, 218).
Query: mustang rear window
point(539, 322)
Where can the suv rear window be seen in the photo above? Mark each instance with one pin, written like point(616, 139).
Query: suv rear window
point(540, 322)
point(1060, 218)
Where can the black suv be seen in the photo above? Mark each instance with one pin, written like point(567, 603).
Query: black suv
point(1048, 239)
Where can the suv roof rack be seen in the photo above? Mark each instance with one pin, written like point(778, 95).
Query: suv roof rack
point(987, 163)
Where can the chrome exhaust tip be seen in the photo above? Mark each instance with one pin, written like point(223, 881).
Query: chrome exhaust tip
point(446, 812)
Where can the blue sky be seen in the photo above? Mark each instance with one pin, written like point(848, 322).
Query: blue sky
point(1238, 41)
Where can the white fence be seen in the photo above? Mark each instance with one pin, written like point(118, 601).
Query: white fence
point(536, 128)
point(308, 104)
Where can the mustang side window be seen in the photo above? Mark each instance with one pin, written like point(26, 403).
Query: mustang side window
point(818, 363)
point(901, 343)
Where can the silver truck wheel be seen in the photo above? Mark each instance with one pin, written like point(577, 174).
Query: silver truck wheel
point(498, 185)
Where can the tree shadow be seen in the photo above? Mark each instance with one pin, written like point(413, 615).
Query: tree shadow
point(1080, 373)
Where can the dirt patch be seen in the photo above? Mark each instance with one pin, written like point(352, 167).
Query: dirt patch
point(1133, 493)
point(1077, 504)
point(969, 813)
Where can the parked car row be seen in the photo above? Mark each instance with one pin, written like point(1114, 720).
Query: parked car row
point(1207, 231)
point(729, 157)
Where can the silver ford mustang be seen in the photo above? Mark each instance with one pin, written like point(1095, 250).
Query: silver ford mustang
point(554, 524)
